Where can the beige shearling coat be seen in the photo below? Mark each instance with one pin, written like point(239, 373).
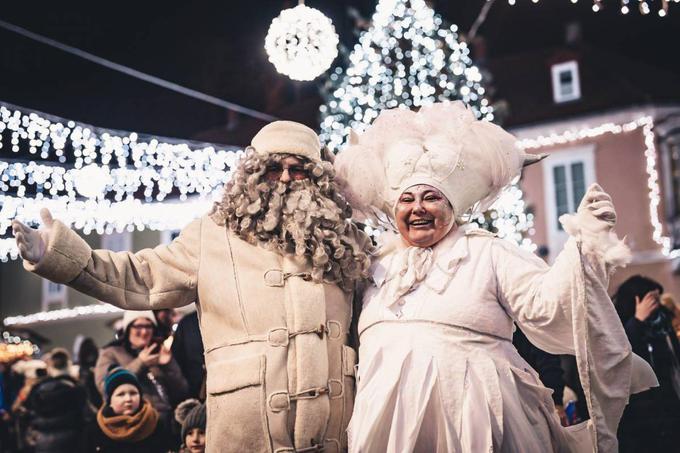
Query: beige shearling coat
point(280, 373)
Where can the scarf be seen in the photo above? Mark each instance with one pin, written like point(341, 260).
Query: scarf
point(129, 428)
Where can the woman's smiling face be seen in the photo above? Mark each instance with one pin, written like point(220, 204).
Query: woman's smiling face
point(423, 215)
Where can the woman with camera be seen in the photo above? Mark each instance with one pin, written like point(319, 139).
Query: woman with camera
point(651, 419)
point(149, 359)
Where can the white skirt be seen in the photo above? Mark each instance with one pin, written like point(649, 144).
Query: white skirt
point(425, 387)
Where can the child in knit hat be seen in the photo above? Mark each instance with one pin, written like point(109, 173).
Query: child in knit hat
point(191, 415)
point(126, 422)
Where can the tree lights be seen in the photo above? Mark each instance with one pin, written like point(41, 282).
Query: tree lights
point(404, 59)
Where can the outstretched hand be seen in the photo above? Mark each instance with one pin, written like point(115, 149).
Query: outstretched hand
point(596, 210)
point(32, 242)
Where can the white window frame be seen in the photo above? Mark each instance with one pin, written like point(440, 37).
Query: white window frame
point(167, 236)
point(117, 242)
point(54, 296)
point(565, 157)
point(557, 69)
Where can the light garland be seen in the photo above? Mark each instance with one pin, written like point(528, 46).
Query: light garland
point(647, 125)
point(624, 6)
point(301, 43)
point(103, 217)
point(62, 314)
point(92, 178)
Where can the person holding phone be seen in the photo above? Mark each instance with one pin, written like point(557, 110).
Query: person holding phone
point(651, 420)
point(141, 352)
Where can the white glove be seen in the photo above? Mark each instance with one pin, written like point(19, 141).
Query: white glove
point(32, 243)
point(596, 212)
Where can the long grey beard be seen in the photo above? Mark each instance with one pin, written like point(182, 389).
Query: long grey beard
point(297, 219)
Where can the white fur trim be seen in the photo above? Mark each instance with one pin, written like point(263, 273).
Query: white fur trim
point(604, 244)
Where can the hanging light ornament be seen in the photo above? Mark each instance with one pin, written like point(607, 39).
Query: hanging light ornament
point(301, 42)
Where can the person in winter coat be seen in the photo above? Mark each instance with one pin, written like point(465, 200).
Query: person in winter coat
point(126, 422)
point(650, 422)
point(87, 354)
point(56, 408)
point(187, 349)
point(151, 362)
point(190, 414)
point(272, 270)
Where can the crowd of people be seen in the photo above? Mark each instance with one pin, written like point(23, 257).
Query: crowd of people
point(141, 392)
point(138, 394)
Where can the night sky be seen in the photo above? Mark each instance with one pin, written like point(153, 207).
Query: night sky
point(217, 48)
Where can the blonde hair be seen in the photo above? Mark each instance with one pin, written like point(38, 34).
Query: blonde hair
point(307, 217)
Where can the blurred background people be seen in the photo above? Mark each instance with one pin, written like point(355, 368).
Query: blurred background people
point(669, 303)
point(87, 354)
point(651, 421)
point(165, 320)
point(126, 423)
point(56, 407)
point(187, 349)
point(548, 367)
point(143, 353)
point(190, 414)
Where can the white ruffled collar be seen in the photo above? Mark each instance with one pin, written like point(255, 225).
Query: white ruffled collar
point(446, 254)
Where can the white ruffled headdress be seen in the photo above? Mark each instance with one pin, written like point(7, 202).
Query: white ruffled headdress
point(443, 145)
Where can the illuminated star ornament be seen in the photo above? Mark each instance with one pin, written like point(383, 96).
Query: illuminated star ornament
point(301, 42)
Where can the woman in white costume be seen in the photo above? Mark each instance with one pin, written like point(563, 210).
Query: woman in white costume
point(437, 368)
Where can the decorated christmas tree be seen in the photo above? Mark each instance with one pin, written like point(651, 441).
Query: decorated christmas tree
point(406, 58)
point(409, 58)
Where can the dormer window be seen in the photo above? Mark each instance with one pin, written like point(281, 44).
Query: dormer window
point(565, 82)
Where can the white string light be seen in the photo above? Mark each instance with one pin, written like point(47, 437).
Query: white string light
point(83, 311)
point(643, 6)
point(301, 43)
point(647, 125)
point(93, 178)
point(105, 216)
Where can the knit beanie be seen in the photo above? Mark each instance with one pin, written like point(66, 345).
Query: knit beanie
point(117, 376)
point(190, 414)
point(130, 315)
point(288, 137)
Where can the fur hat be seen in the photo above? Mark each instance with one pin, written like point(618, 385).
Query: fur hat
point(190, 414)
point(288, 137)
point(442, 145)
point(116, 377)
point(129, 316)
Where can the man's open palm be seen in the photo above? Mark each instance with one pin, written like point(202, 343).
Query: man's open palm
point(32, 243)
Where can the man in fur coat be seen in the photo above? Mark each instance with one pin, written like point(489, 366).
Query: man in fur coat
point(271, 270)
